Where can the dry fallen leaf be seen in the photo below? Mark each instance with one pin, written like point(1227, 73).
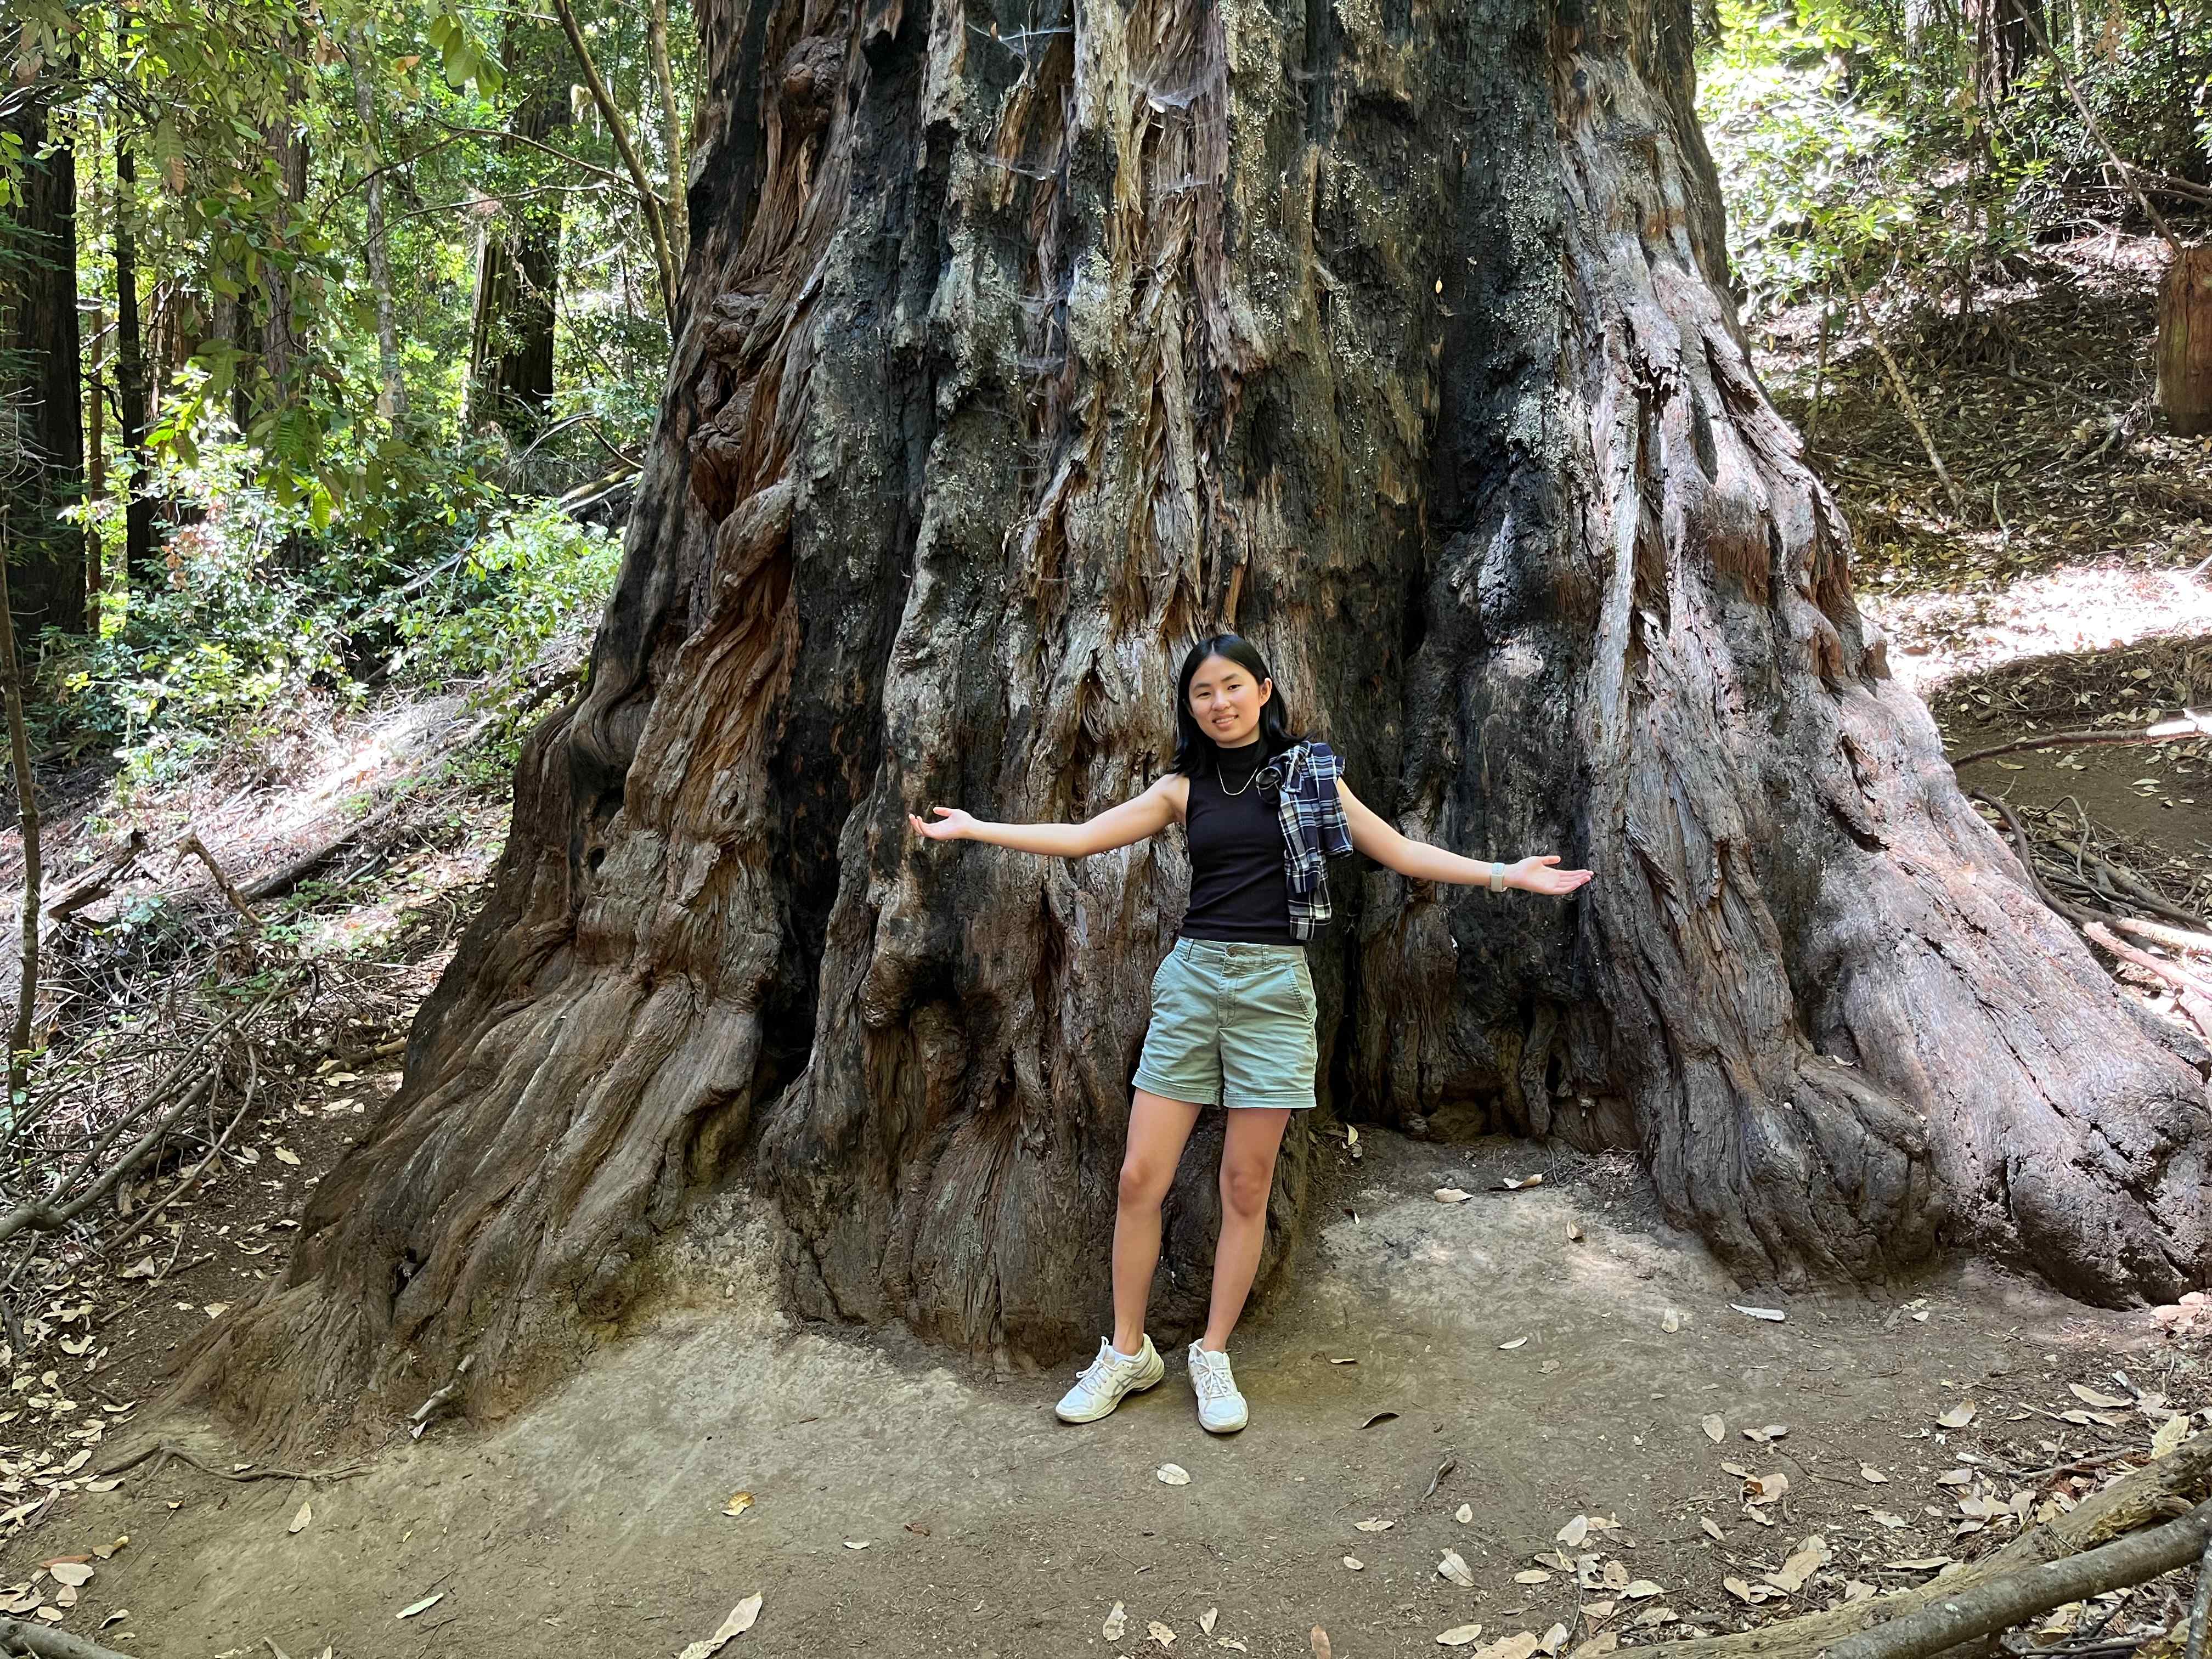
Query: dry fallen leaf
point(1640, 1589)
point(1452, 1196)
point(1598, 1646)
point(1884, 1518)
point(1519, 1646)
point(1716, 1431)
point(1454, 1566)
point(1160, 1634)
point(1955, 1478)
point(72, 1573)
point(286, 1155)
point(1873, 1476)
point(738, 1504)
point(1205, 1620)
point(1116, 1621)
point(1354, 1564)
point(2091, 1397)
point(1379, 1417)
point(1172, 1474)
point(1463, 1514)
point(1517, 1342)
point(1959, 1416)
point(1372, 1525)
point(1509, 1185)
point(1670, 1320)
point(1769, 1431)
point(1807, 1558)
point(422, 1605)
point(740, 1621)
point(1458, 1636)
point(1773, 1314)
point(1574, 1233)
point(857, 1543)
point(300, 1520)
point(2170, 1434)
point(1574, 1532)
point(1319, 1637)
point(1532, 1576)
point(1712, 1529)
point(1554, 1639)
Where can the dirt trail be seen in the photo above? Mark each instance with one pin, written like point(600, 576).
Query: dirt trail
point(592, 1523)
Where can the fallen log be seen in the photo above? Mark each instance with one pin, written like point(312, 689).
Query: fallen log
point(1999, 1602)
point(2153, 1492)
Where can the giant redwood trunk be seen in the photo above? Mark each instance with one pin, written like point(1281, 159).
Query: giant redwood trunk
point(1021, 347)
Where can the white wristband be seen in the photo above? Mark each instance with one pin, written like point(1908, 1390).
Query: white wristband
point(1497, 877)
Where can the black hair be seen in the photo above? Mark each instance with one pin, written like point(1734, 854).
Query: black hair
point(1196, 751)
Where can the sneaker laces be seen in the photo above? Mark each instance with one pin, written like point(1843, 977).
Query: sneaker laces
point(1097, 1372)
point(1211, 1375)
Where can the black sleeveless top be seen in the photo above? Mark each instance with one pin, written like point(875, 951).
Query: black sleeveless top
point(1238, 892)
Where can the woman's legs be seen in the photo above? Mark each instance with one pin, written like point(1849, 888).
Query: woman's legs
point(1158, 1127)
point(1247, 1174)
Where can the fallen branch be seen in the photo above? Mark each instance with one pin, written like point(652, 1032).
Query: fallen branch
point(1911, 404)
point(2151, 1494)
point(2172, 973)
point(99, 881)
point(2174, 938)
point(192, 845)
point(2190, 724)
point(2200, 1605)
point(2000, 1602)
point(21, 1636)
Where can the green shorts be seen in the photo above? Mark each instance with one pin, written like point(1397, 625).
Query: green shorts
point(1232, 1025)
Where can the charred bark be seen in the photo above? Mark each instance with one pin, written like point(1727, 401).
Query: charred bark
point(1021, 347)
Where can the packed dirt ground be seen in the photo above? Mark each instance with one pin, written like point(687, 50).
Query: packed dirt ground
point(1591, 1425)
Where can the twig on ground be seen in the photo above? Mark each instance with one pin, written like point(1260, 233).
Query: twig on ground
point(2190, 724)
point(420, 1418)
point(2200, 1605)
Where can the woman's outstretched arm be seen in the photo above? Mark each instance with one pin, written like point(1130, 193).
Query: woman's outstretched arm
point(1425, 863)
point(1118, 826)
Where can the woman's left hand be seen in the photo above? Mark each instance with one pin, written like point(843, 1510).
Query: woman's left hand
point(1536, 875)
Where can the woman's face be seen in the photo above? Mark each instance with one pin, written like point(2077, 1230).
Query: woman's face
point(1225, 700)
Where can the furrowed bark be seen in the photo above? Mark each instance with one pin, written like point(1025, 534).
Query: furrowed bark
point(1021, 346)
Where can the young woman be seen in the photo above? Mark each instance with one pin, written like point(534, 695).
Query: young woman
point(1232, 1018)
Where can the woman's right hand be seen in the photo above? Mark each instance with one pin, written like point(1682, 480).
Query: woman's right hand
point(952, 825)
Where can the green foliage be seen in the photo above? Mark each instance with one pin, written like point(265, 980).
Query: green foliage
point(266, 609)
point(509, 593)
point(1853, 136)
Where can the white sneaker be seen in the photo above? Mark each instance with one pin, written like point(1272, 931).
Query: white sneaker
point(1108, 1378)
point(1220, 1407)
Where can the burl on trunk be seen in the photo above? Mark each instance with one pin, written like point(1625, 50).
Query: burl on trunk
point(1021, 345)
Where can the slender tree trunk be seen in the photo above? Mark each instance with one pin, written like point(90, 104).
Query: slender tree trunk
point(41, 396)
point(664, 75)
point(519, 262)
point(95, 474)
point(1016, 359)
point(280, 335)
point(138, 562)
point(392, 402)
point(27, 808)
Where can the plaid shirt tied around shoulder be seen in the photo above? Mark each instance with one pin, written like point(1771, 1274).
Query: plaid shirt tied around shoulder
point(1301, 780)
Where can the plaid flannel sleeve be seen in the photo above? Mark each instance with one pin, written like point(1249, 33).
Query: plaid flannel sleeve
point(1314, 831)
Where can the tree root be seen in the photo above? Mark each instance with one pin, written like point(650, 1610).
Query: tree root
point(2152, 1493)
point(163, 1451)
point(21, 1636)
point(1996, 1603)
